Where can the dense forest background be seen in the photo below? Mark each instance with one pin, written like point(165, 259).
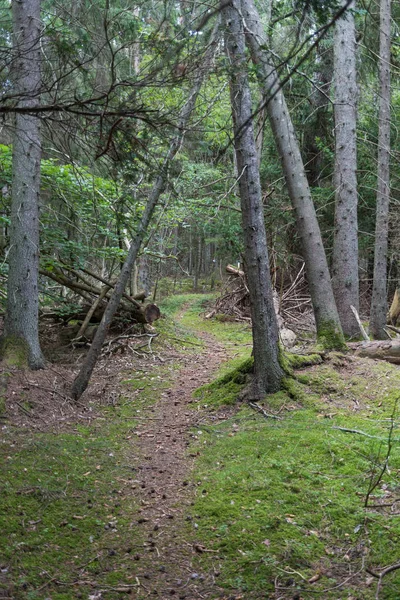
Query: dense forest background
point(106, 86)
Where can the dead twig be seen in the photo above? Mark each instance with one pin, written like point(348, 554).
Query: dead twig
point(354, 431)
point(381, 575)
point(263, 412)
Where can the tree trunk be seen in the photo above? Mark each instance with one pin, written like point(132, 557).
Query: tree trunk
point(329, 331)
point(345, 245)
point(319, 122)
point(20, 342)
point(379, 291)
point(394, 311)
point(83, 377)
point(267, 370)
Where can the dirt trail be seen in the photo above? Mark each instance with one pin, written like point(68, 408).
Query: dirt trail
point(165, 566)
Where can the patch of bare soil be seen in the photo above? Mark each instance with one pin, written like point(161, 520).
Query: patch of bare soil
point(40, 400)
point(166, 563)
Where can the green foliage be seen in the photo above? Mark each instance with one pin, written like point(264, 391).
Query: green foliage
point(81, 213)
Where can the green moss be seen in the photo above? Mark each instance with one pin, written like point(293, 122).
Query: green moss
point(68, 496)
point(238, 374)
point(337, 359)
point(298, 392)
point(329, 337)
point(290, 361)
point(225, 389)
point(14, 351)
point(291, 493)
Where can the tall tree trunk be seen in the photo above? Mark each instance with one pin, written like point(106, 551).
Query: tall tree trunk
point(379, 292)
point(345, 245)
point(20, 343)
point(319, 122)
point(329, 330)
point(83, 377)
point(267, 370)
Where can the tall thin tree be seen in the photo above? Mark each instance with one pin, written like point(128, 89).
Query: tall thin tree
point(20, 341)
point(379, 292)
point(345, 246)
point(267, 370)
point(329, 330)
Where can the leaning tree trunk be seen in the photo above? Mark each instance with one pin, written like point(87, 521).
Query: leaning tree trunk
point(329, 331)
point(345, 244)
point(379, 291)
point(20, 342)
point(83, 377)
point(267, 370)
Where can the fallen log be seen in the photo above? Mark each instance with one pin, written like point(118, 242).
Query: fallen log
point(91, 312)
point(388, 350)
point(130, 308)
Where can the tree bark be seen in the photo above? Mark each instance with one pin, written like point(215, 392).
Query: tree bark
point(329, 330)
point(394, 311)
point(345, 245)
point(379, 292)
point(20, 342)
point(267, 370)
point(319, 122)
point(83, 377)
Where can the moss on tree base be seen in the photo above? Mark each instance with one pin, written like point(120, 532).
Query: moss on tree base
point(329, 337)
point(14, 351)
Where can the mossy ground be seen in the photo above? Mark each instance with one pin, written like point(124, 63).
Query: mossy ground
point(280, 502)
point(67, 501)
point(68, 496)
point(279, 507)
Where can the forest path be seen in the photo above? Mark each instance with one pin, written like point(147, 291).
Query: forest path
point(165, 567)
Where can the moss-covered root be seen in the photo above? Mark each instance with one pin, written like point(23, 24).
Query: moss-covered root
point(290, 362)
point(237, 375)
point(330, 337)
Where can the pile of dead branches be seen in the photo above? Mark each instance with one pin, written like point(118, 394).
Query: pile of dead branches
point(234, 301)
point(295, 303)
point(292, 301)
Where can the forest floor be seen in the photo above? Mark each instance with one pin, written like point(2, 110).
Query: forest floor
point(161, 484)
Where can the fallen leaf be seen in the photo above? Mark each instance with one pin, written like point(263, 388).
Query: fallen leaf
point(314, 578)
